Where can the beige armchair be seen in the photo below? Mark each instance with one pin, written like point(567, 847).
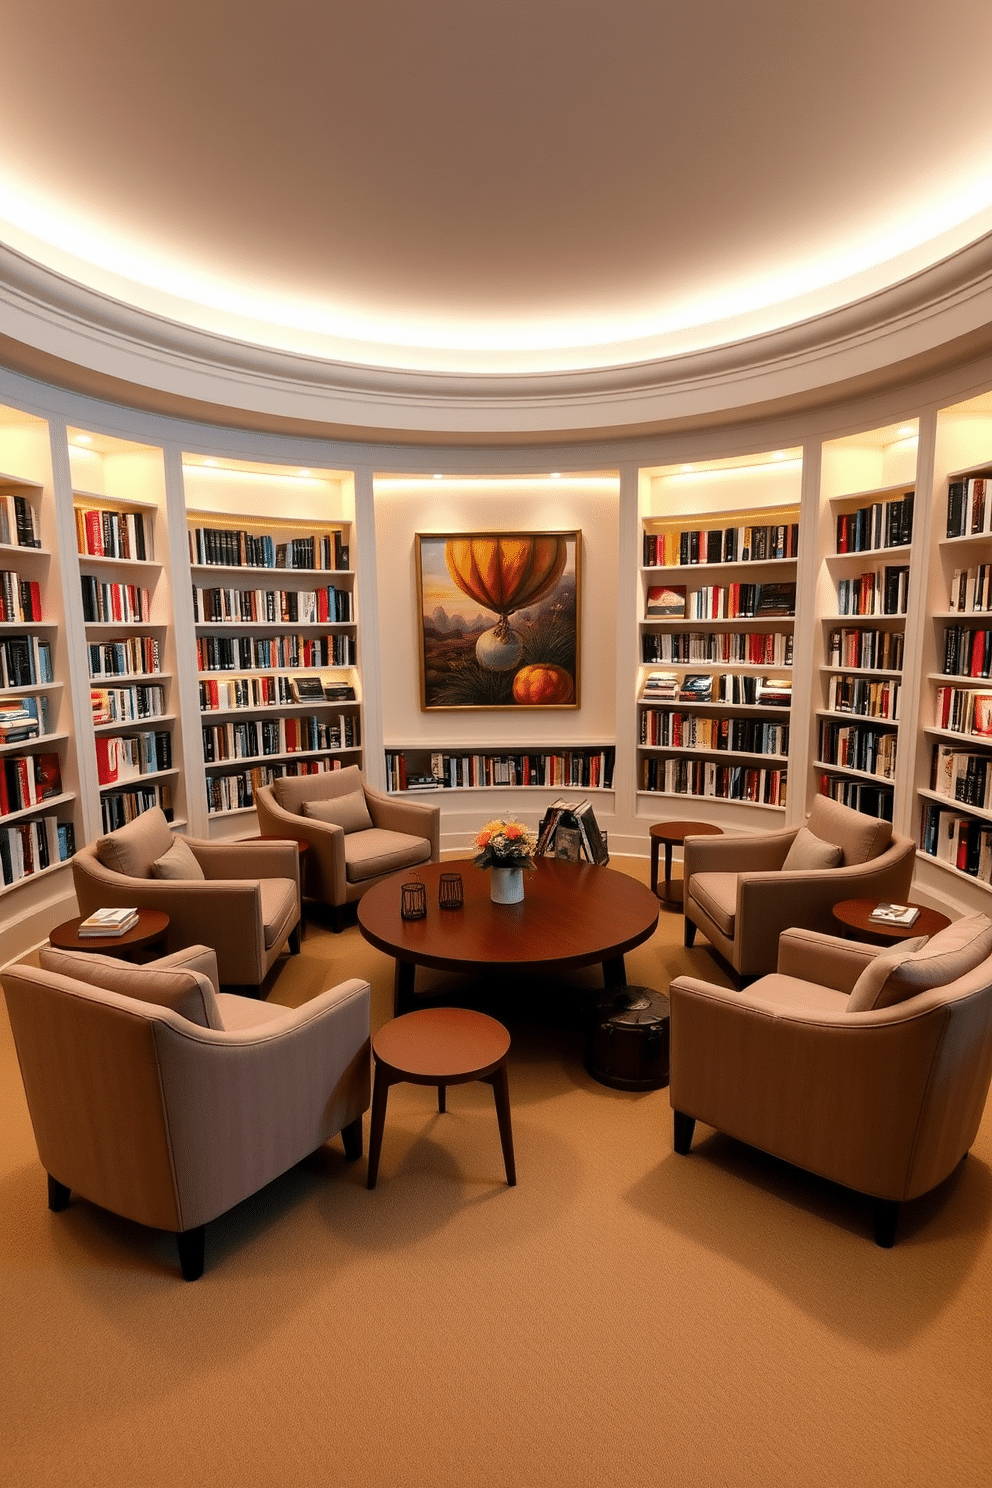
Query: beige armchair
point(356, 835)
point(867, 1066)
point(242, 898)
point(156, 1097)
point(742, 892)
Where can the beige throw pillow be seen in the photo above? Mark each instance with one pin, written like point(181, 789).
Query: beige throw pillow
point(179, 862)
point(349, 812)
point(133, 848)
point(809, 851)
point(949, 954)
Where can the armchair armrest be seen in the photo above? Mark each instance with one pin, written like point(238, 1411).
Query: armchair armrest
point(246, 860)
point(416, 818)
point(828, 959)
point(739, 853)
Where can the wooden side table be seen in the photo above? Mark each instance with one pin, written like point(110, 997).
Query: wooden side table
point(669, 834)
point(148, 933)
point(855, 915)
point(442, 1047)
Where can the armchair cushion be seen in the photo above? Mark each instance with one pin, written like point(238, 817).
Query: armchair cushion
point(186, 991)
point(133, 848)
point(878, 985)
point(349, 812)
point(370, 854)
point(810, 851)
point(178, 863)
point(859, 837)
point(716, 893)
point(946, 956)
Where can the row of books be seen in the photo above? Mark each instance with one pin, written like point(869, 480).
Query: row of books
point(244, 692)
point(107, 604)
point(860, 795)
point(111, 534)
point(20, 599)
point(858, 746)
point(121, 757)
point(132, 656)
point(23, 718)
point(872, 593)
point(731, 687)
point(569, 829)
point(962, 710)
point(962, 776)
point(230, 548)
point(258, 653)
point(18, 521)
point(871, 697)
point(970, 589)
point(258, 737)
point(882, 524)
point(969, 507)
point(677, 775)
point(661, 728)
point(857, 647)
point(27, 780)
point(327, 605)
point(582, 769)
point(967, 653)
point(126, 704)
point(117, 808)
point(755, 544)
point(25, 661)
point(753, 647)
point(236, 791)
point(720, 602)
point(30, 846)
point(964, 842)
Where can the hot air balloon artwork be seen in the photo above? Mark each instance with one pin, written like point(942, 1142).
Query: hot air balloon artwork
point(500, 619)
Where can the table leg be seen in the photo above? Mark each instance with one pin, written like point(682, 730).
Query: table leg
point(668, 871)
point(403, 982)
point(501, 1093)
point(442, 1099)
point(380, 1095)
point(614, 972)
point(655, 845)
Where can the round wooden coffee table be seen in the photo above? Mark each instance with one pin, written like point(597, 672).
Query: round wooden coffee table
point(572, 914)
point(670, 834)
point(855, 914)
point(442, 1047)
point(149, 931)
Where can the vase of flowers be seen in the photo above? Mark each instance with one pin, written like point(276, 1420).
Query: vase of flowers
point(507, 848)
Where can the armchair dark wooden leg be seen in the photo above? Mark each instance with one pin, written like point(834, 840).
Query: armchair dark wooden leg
point(689, 932)
point(338, 918)
point(295, 939)
point(886, 1215)
point(351, 1136)
point(58, 1195)
point(190, 1247)
point(683, 1128)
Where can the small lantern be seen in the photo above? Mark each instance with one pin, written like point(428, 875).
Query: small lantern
point(450, 893)
point(413, 905)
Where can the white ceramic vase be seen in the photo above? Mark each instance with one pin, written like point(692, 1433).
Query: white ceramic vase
point(506, 885)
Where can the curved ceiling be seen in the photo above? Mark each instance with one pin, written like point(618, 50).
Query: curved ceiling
point(493, 187)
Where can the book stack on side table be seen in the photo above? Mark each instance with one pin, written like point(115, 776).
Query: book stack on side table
point(895, 914)
point(104, 923)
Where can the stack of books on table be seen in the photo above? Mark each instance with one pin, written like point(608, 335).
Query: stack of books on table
point(105, 923)
point(894, 914)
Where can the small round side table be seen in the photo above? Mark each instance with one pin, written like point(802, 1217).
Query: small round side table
point(150, 931)
point(855, 916)
point(442, 1047)
point(669, 834)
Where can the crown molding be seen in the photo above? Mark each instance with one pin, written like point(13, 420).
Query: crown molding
point(63, 332)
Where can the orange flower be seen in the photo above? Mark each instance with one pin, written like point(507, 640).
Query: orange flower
point(483, 839)
point(512, 832)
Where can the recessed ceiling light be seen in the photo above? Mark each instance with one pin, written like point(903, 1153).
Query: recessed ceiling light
point(83, 439)
point(210, 462)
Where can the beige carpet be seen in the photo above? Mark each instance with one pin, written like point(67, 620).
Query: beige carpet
point(622, 1317)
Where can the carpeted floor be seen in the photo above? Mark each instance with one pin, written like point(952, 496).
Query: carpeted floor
point(622, 1317)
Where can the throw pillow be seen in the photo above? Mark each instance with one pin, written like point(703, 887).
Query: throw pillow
point(809, 851)
point(349, 812)
point(872, 989)
point(133, 848)
point(184, 991)
point(178, 862)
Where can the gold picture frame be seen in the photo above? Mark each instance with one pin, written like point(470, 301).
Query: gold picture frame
point(499, 619)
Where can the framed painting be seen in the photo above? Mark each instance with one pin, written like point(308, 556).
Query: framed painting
point(499, 619)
